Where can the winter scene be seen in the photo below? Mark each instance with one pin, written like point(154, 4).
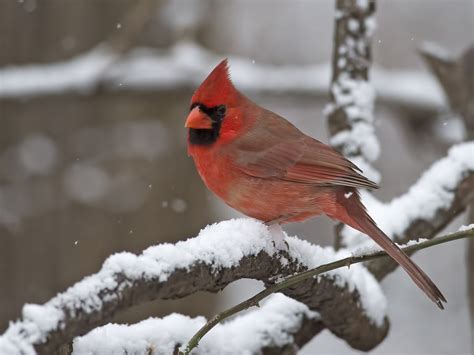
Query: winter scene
point(236, 177)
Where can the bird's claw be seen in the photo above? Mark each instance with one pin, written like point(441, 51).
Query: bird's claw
point(281, 245)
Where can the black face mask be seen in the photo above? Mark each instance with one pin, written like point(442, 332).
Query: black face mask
point(201, 136)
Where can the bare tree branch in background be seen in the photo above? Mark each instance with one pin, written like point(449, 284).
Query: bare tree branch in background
point(129, 30)
point(133, 25)
point(456, 77)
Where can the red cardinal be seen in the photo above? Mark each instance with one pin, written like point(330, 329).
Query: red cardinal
point(263, 166)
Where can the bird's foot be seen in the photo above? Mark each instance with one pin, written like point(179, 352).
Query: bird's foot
point(278, 236)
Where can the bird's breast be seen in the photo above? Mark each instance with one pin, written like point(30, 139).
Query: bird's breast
point(264, 199)
point(216, 171)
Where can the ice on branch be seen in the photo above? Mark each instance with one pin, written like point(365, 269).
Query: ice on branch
point(273, 324)
point(219, 247)
point(433, 191)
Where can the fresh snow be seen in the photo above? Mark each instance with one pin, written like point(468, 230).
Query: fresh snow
point(269, 325)
point(221, 245)
point(433, 191)
point(354, 277)
point(466, 228)
point(437, 51)
point(374, 248)
point(356, 97)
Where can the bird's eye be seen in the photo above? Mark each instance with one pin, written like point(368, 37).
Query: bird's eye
point(221, 110)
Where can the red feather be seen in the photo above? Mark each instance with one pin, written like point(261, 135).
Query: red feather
point(217, 87)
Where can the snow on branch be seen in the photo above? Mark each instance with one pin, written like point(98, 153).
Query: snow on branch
point(349, 301)
point(186, 64)
point(281, 324)
point(350, 112)
point(440, 194)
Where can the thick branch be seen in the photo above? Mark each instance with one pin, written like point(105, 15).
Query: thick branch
point(280, 326)
point(221, 254)
point(429, 227)
point(441, 194)
point(296, 279)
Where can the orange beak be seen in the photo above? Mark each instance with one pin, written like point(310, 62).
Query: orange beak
point(198, 119)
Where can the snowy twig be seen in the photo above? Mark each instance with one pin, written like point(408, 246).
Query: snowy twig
point(350, 301)
point(350, 112)
point(295, 279)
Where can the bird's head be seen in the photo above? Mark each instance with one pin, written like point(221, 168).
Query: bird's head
point(214, 112)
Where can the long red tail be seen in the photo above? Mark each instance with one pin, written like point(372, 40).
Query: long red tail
point(354, 214)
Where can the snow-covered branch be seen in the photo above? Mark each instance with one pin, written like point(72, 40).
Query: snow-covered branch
point(280, 326)
point(441, 194)
point(349, 301)
point(350, 113)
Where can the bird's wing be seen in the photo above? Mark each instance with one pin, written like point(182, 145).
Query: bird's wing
point(285, 153)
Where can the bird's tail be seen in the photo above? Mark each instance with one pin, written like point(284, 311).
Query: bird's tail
point(354, 214)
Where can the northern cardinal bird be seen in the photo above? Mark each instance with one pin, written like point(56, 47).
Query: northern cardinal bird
point(263, 166)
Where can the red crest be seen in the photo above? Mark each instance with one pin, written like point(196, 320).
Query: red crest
point(217, 88)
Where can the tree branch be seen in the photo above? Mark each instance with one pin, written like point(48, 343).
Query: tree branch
point(455, 76)
point(350, 112)
point(221, 254)
point(424, 216)
point(296, 279)
point(280, 325)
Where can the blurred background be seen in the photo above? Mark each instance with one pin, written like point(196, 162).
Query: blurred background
point(93, 97)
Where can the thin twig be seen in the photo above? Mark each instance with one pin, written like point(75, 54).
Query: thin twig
point(292, 280)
